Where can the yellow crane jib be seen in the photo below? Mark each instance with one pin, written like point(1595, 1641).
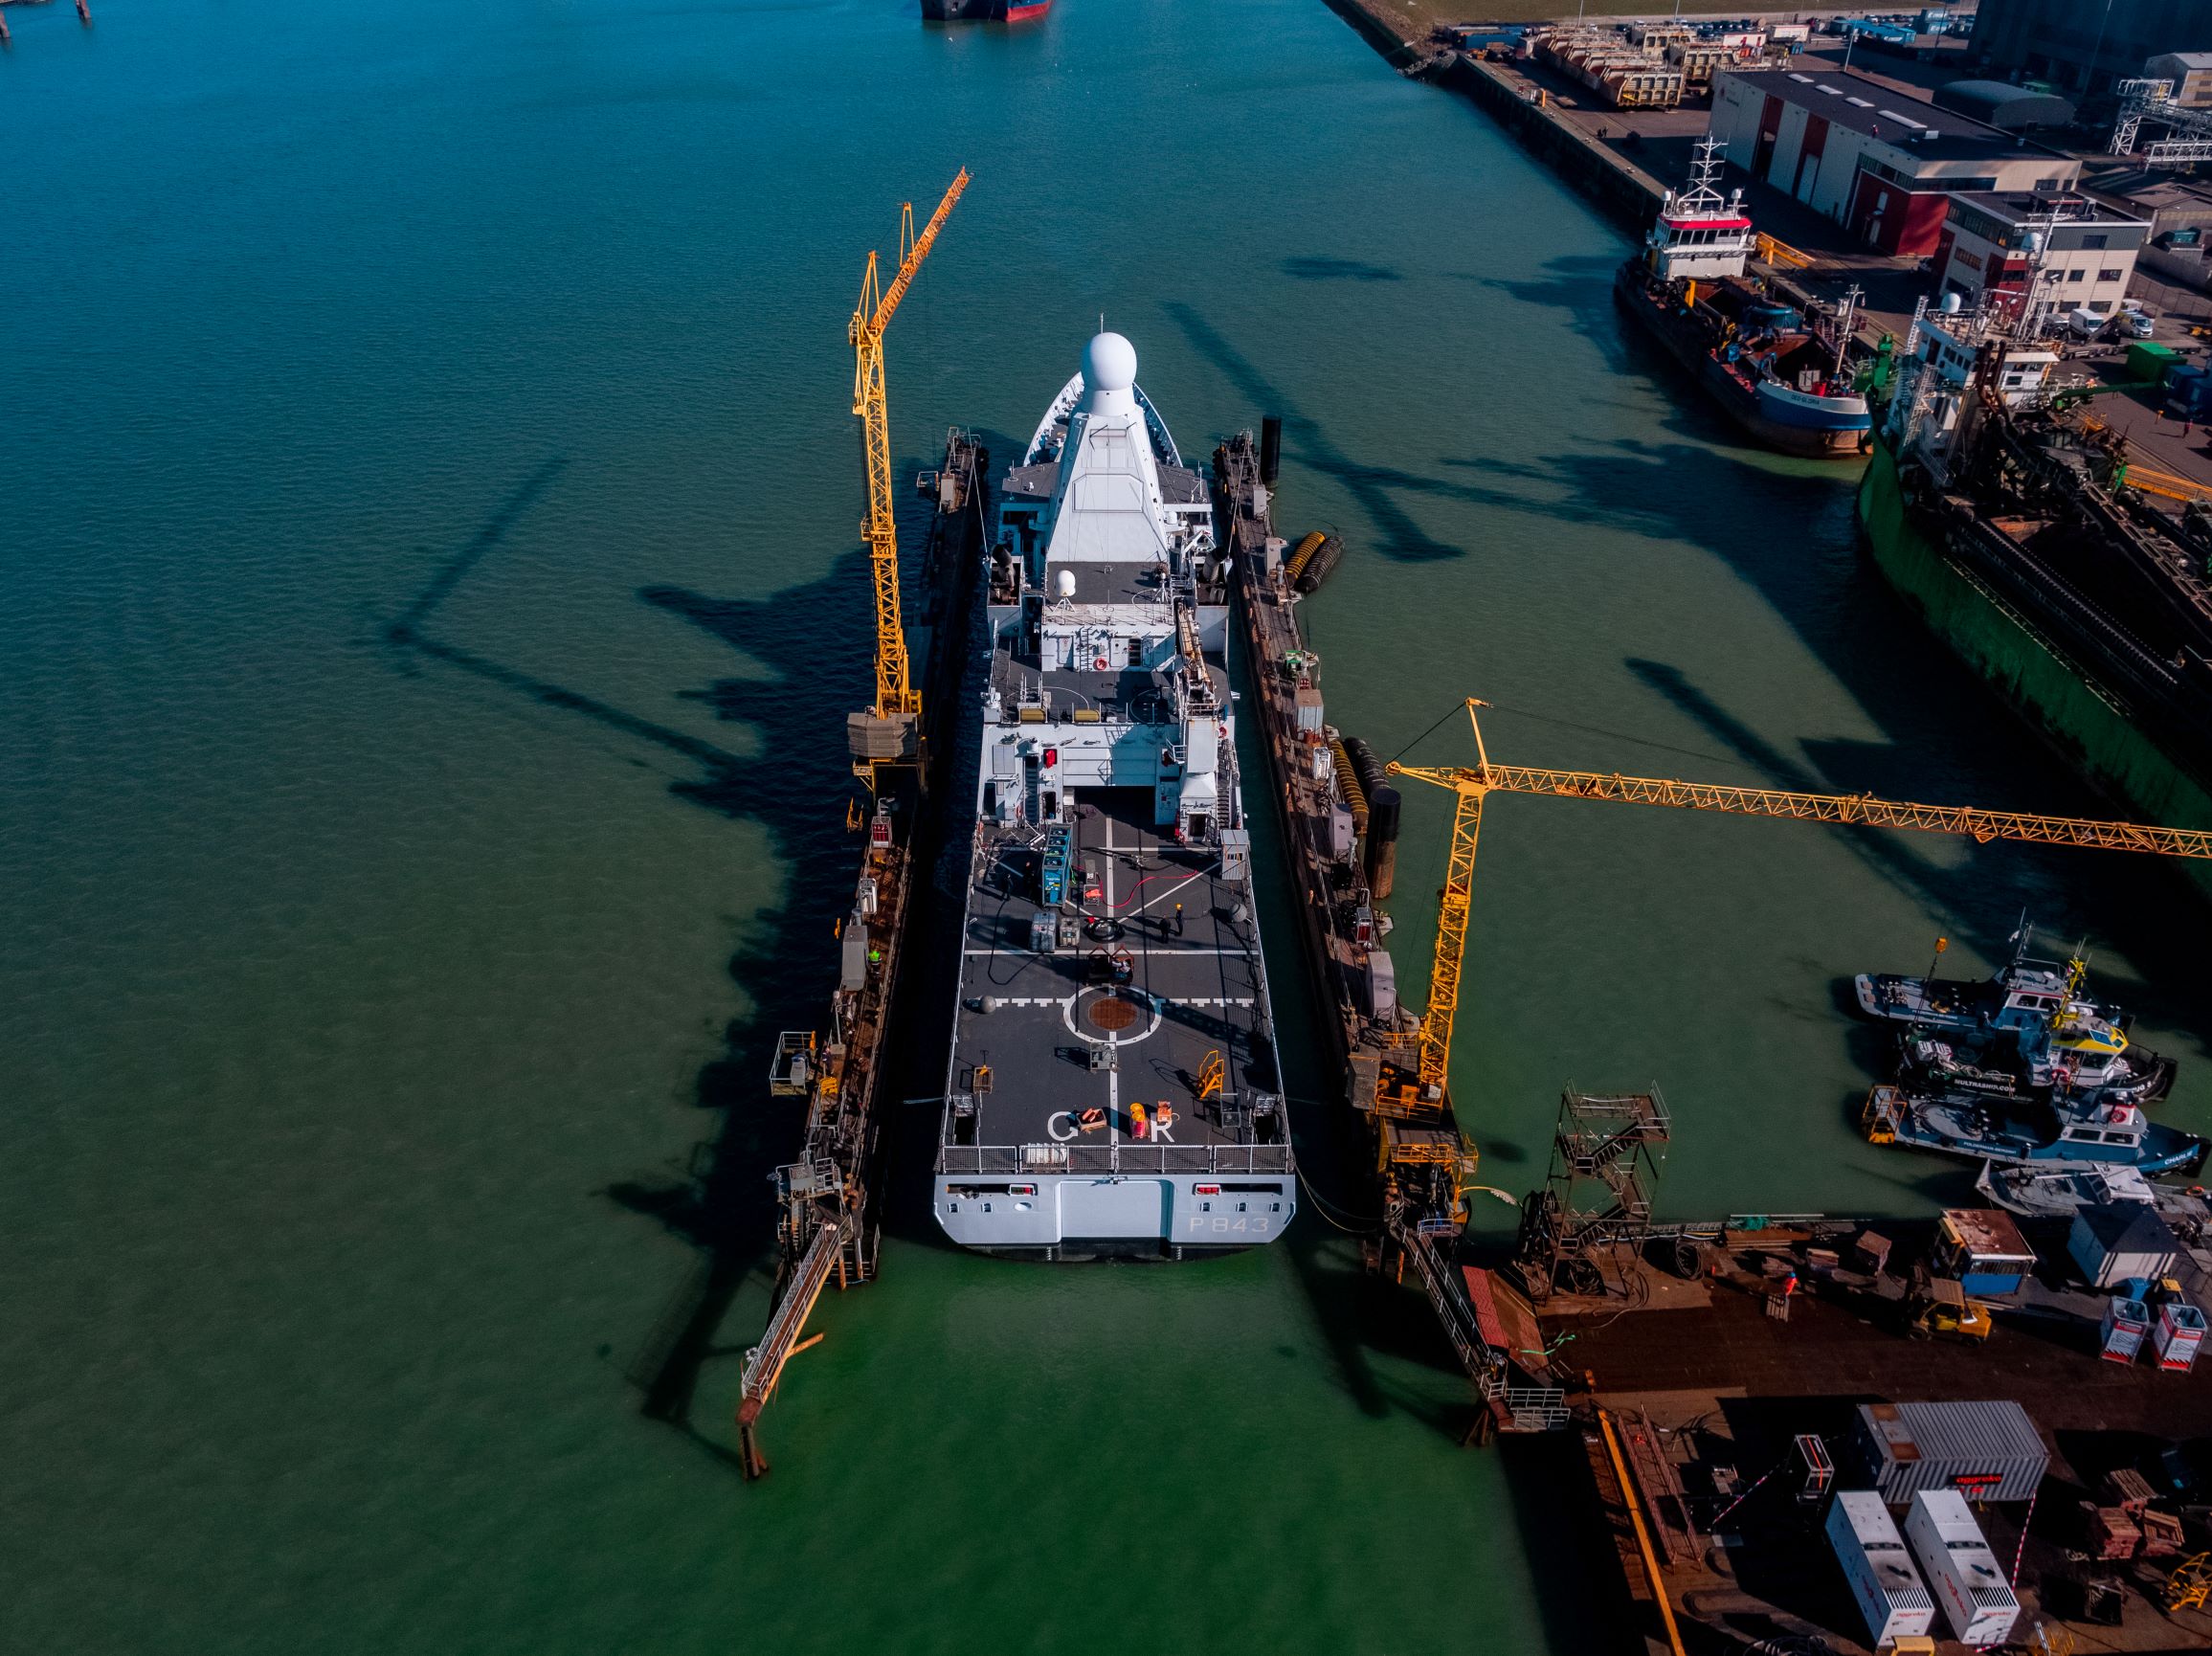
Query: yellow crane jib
point(1474, 785)
point(889, 729)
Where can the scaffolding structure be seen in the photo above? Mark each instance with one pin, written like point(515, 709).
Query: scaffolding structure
point(2153, 100)
point(1607, 1151)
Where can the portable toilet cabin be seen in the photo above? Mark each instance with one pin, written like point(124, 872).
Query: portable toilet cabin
point(1983, 1249)
point(2179, 1332)
point(1891, 1594)
point(1962, 1571)
point(2113, 1243)
point(2120, 1333)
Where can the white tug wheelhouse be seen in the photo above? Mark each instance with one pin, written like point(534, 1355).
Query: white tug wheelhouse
point(1699, 234)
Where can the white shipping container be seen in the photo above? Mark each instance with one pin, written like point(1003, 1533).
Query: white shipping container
point(1961, 1571)
point(1890, 1594)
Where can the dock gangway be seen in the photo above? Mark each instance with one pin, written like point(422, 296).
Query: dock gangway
point(764, 1363)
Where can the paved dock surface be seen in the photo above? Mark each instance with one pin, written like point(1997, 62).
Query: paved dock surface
point(1729, 1347)
point(1708, 1389)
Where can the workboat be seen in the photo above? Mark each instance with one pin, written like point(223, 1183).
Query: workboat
point(983, 10)
point(1112, 1089)
point(1779, 376)
point(2040, 1192)
point(2028, 1027)
point(2078, 1059)
point(2014, 529)
point(2030, 1133)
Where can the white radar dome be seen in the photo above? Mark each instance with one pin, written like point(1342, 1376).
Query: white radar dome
point(1110, 363)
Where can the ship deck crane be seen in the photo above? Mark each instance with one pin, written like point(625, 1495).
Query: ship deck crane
point(891, 730)
point(1473, 786)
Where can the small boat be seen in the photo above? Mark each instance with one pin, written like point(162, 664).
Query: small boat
point(1781, 376)
point(2026, 1131)
point(2029, 1028)
point(2023, 994)
point(2080, 1060)
point(2047, 1192)
point(983, 10)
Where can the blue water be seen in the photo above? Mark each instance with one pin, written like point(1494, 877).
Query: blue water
point(432, 601)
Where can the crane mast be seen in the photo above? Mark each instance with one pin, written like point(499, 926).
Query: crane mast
point(1476, 784)
point(889, 730)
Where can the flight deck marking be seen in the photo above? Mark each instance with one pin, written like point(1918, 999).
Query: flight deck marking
point(1171, 890)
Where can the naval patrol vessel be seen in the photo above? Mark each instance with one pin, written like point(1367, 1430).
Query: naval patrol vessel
point(1112, 1089)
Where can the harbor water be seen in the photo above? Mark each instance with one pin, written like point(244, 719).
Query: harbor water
point(434, 599)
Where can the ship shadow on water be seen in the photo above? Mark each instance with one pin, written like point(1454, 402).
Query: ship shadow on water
point(796, 783)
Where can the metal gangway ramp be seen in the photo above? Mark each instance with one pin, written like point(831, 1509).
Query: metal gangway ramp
point(764, 1363)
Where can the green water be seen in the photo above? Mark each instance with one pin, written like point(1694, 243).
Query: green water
point(382, 1012)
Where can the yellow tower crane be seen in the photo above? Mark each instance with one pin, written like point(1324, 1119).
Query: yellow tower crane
point(889, 732)
point(1474, 786)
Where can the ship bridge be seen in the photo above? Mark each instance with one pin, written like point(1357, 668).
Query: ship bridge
point(1110, 616)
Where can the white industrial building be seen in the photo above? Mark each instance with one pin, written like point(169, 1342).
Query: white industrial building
point(2190, 72)
point(1869, 157)
point(2071, 253)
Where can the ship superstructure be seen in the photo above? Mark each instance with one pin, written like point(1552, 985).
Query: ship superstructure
point(2069, 576)
point(1112, 1089)
point(1779, 374)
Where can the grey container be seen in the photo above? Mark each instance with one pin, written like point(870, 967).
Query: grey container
point(1988, 1451)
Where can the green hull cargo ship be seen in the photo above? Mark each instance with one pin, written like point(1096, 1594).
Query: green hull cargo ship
point(2011, 531)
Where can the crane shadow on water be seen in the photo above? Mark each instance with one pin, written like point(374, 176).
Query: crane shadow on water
point(1376, 489)
point(1786, 529)
point(793, 782)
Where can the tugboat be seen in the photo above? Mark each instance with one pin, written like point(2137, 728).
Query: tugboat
point(1781, 379)
point(2028, 1027)
point(2079, 1061)
point(2026, 1133)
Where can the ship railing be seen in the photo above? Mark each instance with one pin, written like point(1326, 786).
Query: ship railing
point(1126, 1157)
point(1537, 1408)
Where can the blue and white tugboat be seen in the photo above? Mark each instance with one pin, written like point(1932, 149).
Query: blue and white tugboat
point(1782, 378)
point(2030, 1133)
point(1112, 1089)
point(2029, 1028)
